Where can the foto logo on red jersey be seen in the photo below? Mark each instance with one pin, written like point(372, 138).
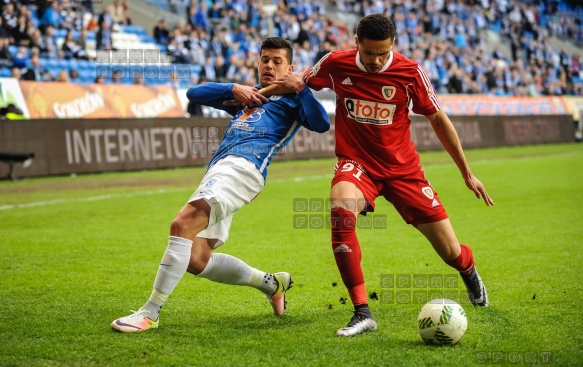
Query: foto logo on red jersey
point(368, 112)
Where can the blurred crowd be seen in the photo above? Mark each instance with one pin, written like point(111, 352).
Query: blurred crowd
point(451, 38)
point(35, 30)
point(448, 37)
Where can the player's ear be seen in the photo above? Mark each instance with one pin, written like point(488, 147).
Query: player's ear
point(291, 68)
point(356, 40)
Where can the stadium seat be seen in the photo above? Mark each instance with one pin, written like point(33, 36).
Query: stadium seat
point(50, 64)
point(83, 65)
point(63, 65)
point(12, 49)
point(86, 74)
point(73, 64)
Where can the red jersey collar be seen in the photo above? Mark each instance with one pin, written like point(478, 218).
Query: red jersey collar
point(361, 67)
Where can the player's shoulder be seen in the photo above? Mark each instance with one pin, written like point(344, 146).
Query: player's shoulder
point(344, 52)
point(403, 66)
point(339, 55)
point(404, 61)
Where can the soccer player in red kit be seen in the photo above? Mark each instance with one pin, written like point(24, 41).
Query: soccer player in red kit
point(374, 88)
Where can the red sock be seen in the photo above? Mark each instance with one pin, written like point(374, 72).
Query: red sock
point(464, 263)
point(347, 254)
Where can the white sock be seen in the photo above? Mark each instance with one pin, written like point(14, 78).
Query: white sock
point(227, 269)
point(172, 267)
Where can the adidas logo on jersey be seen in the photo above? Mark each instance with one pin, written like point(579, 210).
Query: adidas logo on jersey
point(347, 81)
point(342, 248)
point(434, 203)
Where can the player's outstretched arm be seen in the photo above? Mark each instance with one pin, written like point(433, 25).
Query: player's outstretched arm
point(449, 138)
point(213, 95)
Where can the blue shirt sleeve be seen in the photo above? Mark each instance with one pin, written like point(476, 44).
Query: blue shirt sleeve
point(213, 95)
point(312, 114)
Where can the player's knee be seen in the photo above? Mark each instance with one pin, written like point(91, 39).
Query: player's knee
point(178, 227)
point(188, 223)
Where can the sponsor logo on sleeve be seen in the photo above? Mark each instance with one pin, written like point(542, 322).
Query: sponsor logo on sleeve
point(314, 70)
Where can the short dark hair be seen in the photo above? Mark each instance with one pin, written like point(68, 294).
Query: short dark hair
point(376, 27)
point(277, 43)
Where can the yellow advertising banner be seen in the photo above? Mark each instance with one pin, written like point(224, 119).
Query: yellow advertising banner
point(65, 101)
point(129, 101)
point(574, 105)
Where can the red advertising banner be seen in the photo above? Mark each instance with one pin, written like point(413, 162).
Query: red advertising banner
point(65, 101)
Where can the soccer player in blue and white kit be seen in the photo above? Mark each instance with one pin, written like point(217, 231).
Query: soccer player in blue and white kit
point(260, 128)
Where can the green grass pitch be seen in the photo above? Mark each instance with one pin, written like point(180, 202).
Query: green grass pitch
point(78, 252)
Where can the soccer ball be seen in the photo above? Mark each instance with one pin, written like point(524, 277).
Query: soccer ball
point(442, 322)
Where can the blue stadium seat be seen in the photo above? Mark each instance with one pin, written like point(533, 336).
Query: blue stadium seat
point(50, 64)
point(73, 64)
point(83, 65)
point(133, 30)
point(101, 69)
point(147, 39)
point(86, 75)
point(87, 78)
point(60, 33)
point(5, 72)
point(13, 50)
point(55, 72)
point(63, 64)
point(185, 83)
point(161, 4)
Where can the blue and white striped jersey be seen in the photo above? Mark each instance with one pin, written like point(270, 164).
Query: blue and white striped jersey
point(259, 133)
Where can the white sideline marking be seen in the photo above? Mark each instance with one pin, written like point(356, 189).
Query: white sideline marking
point(300, 179)
point(80, 200)
point(139, 193)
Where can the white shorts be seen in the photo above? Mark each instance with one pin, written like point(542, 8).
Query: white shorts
point(228, 185)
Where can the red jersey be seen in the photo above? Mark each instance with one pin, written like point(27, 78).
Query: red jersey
point(372, 110)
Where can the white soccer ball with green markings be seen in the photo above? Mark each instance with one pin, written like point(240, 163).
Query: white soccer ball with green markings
point(442, 322)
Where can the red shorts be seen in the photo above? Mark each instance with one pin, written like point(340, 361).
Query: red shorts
point(412, 195)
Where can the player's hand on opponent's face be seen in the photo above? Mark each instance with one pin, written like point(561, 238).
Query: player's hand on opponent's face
point(246, 96)
point(478, 188)
point(292, 82)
